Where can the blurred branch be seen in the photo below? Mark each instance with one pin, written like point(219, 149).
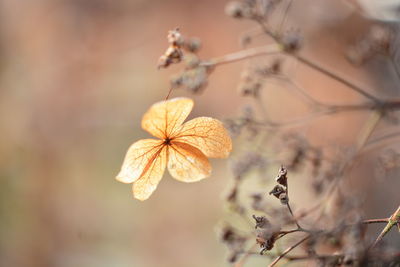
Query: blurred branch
point(288, 250)
point(313, 65)
point(336, 77)
point(243, 54)
point(364, 134)
point(285, 16)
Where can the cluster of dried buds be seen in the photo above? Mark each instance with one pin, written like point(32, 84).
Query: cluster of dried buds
point(177, 43)
point(173, 54)
point(253, 78)
point(280, 190)
point(378, 40)
point(251, 9)
point(244, 123)
point(194, 78)
point(266, 233)
point(195, 74)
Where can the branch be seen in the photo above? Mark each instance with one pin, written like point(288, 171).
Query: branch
point(336, 77)
point(288, 250)
point(311, 64)
point(243, 54)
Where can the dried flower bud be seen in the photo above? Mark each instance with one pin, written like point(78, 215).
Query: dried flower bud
point(250, 85)
point(284, 198)
point(175, 38)
point(194, 80)
point(291, 41)
point(276, 66)
point(191, 61)
point(360, 53)
point(282, 176)
point(318, 185)
point(266, 237)
point(245, 40)
point(248, 113)
point(235, 9)
point(192, 44)
point(271, 69)
point(232, 195)
point(277, 191)
point(234, 127)
point(261, 222)
point(233, 256)
point(230, 237)
point(228, 234)
point(173, 54)
point(377, 40)
point(380, 37)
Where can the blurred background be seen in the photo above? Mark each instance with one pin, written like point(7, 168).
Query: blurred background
point(76, 76)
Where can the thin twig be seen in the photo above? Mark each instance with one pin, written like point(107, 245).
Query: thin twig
point(378, 140)
point(169, 93)
point(368, 129)
point(364, 135)
point(288, 250)
point(294, 218)
point(317, 67)
point(285, 16)
point(306, 96)
point(336, 77)
point(243, 54)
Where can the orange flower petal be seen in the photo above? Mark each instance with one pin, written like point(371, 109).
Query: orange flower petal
point(164, 117)
point(138, 158)
point(147, 183)
point(186, 163)
point(206, 134)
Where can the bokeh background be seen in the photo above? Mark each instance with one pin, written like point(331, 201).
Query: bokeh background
point(76, 77)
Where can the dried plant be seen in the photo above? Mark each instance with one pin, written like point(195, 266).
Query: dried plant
point(326, 238)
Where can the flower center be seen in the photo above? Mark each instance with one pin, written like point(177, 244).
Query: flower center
point(167, 141)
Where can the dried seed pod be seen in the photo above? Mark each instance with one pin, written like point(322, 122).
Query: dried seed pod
point(239, 10)
point(192, 44)
point(261, 222)
point(235, 9)
point(291, 41)
point(284, 198)
point(175, 38)
point(281, 178)
point(194, 80)
point(277, 191)
point(232, 195)
point(234, 127)
point(173, 54)
point(266, 237)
